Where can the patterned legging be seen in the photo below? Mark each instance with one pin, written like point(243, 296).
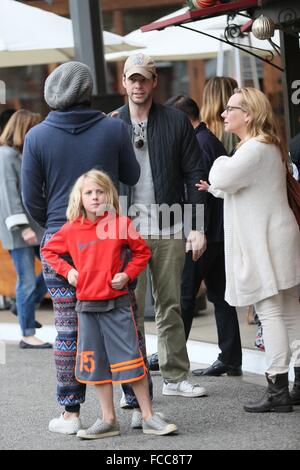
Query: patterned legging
point(69, 391)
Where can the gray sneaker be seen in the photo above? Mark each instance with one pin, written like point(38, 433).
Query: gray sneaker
point(99, 429)
point(157, 426)
point(183, 389)
point(137, 419)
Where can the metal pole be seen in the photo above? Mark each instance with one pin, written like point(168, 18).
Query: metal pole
point(88, 39)
point(220, 61)
point(238, 67)
point(253, 65)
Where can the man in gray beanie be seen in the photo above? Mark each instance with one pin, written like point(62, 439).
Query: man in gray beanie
point(71, 140)
point(68, 85)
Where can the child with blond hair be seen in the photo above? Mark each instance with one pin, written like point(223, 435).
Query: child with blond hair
point(95, 237)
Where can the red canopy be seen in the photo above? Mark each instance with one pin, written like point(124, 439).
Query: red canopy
point(193, 15)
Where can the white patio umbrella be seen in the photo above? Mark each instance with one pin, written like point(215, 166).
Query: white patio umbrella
point(30, 36)
point(175, 43)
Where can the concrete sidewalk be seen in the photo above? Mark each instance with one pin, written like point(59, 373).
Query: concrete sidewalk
point(202, 345)
point(214, 422)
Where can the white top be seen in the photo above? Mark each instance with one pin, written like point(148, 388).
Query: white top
point(262, 238)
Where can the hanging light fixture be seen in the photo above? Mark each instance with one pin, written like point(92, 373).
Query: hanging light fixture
point(263, 27)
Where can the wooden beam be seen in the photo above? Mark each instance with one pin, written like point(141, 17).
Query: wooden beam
point(108, 5)
point(196, 73)
point(61, 7)
point(273, 89)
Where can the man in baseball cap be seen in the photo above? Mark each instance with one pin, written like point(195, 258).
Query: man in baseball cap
point(140, 64)
point(168, 153)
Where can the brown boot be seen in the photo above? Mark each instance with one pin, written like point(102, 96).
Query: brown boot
point(276, 399)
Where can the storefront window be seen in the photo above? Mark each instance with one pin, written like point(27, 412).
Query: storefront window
point(24, 87)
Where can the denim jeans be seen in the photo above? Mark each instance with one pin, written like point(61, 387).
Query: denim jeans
point(29, 288)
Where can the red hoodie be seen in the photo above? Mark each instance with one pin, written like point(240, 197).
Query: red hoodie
point(97, 258)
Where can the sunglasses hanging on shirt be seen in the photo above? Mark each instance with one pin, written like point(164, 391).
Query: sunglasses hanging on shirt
point(139, 135)
point(139, 142)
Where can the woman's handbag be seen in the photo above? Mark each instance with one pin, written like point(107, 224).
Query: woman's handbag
point(293, 193)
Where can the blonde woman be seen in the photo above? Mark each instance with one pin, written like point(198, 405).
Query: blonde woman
point(216, 94)
point(262, 263)
point(108, 350)
point(18, 232)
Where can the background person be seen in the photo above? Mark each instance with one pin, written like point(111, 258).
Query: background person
point(18, 232)
point(216, 94)
point(210, 267)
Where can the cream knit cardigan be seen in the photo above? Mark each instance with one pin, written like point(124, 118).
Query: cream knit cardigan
point(262, 238)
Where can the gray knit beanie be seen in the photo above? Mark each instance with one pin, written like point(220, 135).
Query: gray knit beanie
point(69, 84)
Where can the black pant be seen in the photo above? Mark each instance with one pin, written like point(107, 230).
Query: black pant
point(211, 268)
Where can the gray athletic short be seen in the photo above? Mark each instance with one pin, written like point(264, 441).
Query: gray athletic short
point(107, 350)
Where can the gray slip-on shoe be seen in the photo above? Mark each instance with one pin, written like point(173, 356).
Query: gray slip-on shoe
point(157, 426)
point(99, 430)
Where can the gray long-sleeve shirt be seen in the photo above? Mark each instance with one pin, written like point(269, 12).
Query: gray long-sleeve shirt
point(13, 217)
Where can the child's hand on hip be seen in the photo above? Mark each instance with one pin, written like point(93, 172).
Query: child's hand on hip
point(119, 281)
point(73, 277)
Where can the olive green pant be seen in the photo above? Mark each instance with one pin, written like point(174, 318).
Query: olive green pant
point(166, 265)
